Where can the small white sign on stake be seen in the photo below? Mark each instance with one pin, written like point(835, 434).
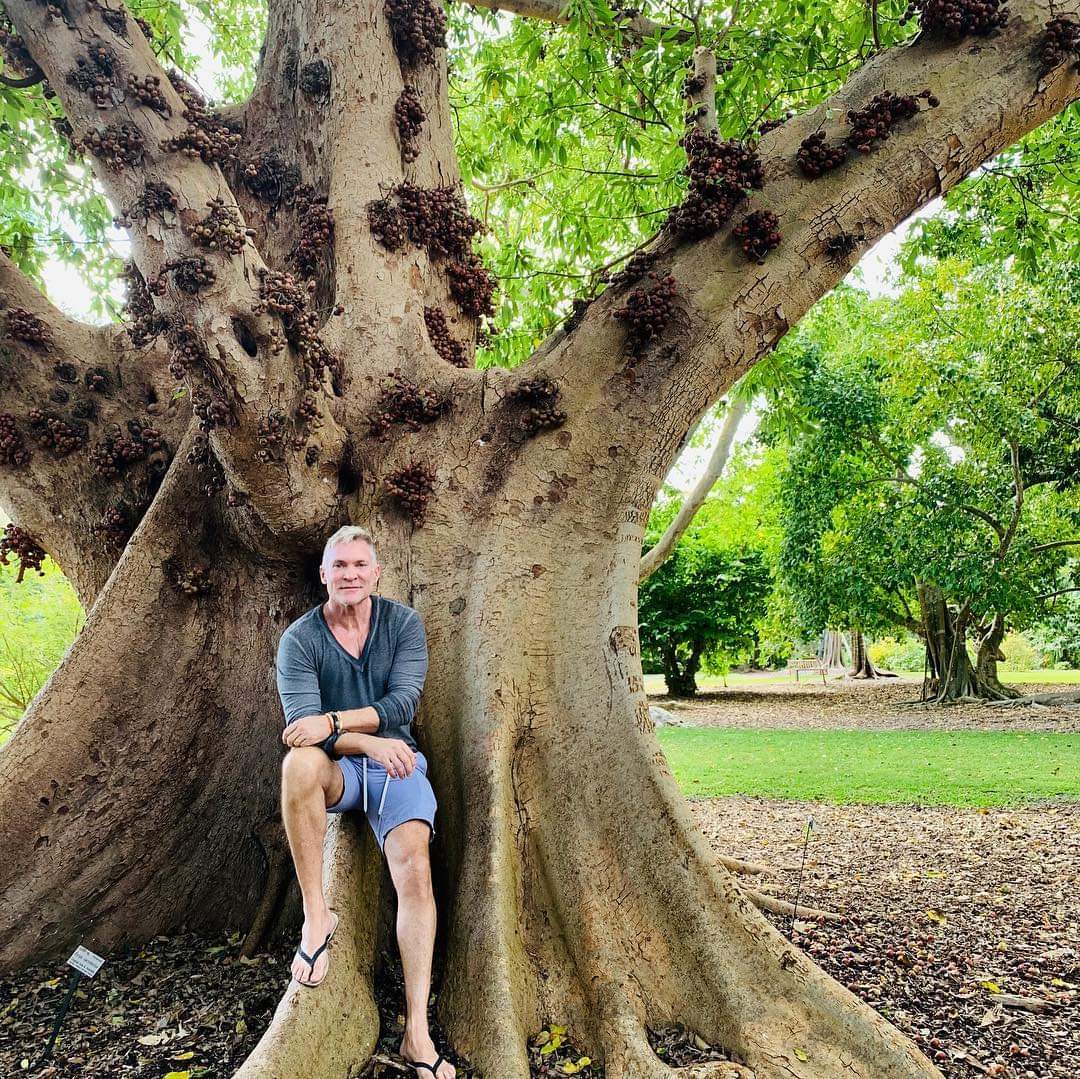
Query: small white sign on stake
point(85, 961)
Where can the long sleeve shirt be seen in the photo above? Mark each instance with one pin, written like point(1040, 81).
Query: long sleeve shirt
point(315, 674)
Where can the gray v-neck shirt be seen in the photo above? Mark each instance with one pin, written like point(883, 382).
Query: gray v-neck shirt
point(316, 674)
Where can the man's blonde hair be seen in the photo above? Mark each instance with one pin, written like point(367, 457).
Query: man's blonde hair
point(349, 534)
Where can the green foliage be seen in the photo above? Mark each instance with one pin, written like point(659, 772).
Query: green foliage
point(905, 653)
point(41, 617)
point(1020, 654)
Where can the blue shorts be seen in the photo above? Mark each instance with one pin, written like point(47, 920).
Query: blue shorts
point(386, 802)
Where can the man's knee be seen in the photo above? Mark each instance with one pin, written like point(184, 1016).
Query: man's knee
point(304, 768)
point(410, 868)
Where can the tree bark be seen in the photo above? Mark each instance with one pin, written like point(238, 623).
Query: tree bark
point(133, 792)
point(987, 658)
point(831, 650)
point(862, 666)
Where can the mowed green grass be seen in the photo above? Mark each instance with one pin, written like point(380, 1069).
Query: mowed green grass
point(964, 768)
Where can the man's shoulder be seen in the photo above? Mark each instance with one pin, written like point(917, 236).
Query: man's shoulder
point(396, 612)
point(305, 627)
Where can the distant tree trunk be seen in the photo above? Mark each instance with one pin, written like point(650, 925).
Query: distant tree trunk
point(951, 675)
point(680, 674)
point(861, 664)
point(831, 651)
point(989, 656)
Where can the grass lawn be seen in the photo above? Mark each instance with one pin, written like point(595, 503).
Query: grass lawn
point(1061, 678)
point(964, 768)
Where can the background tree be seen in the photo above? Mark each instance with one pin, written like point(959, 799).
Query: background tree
point(510, 504)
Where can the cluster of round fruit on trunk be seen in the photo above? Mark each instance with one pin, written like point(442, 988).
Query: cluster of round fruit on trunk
point(271, 178)
point(647, 311)
point(438, 219)
point(721, 172)
point(316, 224)
point(116, 525)
point(55, 434)
point(403, 401)
point(210, 411)
point(409, 116)
point(759, 233)
point(778, 121)
point(637, 266)
point(186, 348)
point(874, 122)
point(97, 380)
point(207, 465)
point(118, 145)
point(270, 434)
point(24, 326)
point(286, 296)
point(387, 225)
point(221, 229)
point(540, 395)
point(418, 28)
point(308, 412)
point(472, 285)
point(191, 274)
point(147, 91)
point(117, 451)
point(94, 74)
point(24, 547)
point(13, 451)
point(315, 79)
point(956, 19)
point(207, 136)
point(693, 85)
point(816, 156)
point(156, 199)
point(1060, 42)
point(194, 581)
point(14, 47)
point(411, 487)
point(443, 341)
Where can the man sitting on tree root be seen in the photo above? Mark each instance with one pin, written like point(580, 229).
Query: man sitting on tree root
point(349, 674)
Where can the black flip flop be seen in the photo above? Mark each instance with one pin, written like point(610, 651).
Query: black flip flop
point(311, 960)
point(433, 1068)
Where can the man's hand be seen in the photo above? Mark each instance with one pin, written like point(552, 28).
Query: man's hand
point(309, 731)
point(394, 755)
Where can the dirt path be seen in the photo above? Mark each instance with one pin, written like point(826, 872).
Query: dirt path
point(861, 705)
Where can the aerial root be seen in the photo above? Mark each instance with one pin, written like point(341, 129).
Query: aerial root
point(781, 906)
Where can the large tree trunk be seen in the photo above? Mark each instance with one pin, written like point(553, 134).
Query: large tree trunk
point(951, 676)
point(831, 649)
point(988, 656)
point(573, 884)
point(862, 666)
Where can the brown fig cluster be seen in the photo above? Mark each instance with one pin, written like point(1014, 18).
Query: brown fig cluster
point(636, 267)
point(94, 74)
point(1060, 42)
point(540, 396)
point(115, 20)
point(286, 296)
point(145, 321)
point(472, 285)
point(14, 47)
point(270, 434)
point(97, 380)
point(147, 91)
point(403, 401)
point(210, 411)
point(759, 233)
point(409, 117)
point(115, 525)
point(156, 199)
point(207, 135)
point(271, 178)
point(647, 311)
point(308, 412)
point(116, 451)
point(418, 28)
point(874, 122)
point(207, 465)
point(444, 343)
point(772, 125)
point(24, 326)
point(118, 145)
point(387, 224)
point(411, 488)
point(693, 84)
point(221, 229)
point(721, 173)
point(315, 79)
point(190, 274)
point(54, 433)
point(956, 19)
point(816, 156)
point(194, 581)
point(13, 451)
point(66, 372)
point(186, 349)
point(24, 547)
point(316, 226)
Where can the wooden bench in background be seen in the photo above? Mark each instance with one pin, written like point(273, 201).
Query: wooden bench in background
point(815, 666)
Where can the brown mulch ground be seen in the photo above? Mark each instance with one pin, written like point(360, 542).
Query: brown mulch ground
point(860, 705)
point(943, 907)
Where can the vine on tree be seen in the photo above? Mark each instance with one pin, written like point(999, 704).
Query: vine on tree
point(411, 488)
point(24, 547)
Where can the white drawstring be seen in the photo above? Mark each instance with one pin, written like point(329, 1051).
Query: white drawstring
point(386, 786)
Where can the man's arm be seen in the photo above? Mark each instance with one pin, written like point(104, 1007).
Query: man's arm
point(407, 673)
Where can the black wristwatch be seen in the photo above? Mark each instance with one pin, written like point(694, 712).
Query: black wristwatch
point(327, 746)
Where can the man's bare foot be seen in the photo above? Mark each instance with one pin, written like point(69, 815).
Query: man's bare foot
point(420, 1049)
point(312, 936)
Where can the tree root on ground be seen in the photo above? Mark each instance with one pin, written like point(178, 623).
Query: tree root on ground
point(782, 906)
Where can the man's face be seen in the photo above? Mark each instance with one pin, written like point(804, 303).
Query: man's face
point(351, 574)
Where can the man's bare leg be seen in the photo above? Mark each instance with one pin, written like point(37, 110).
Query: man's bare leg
point(310, 782)
point(407, 854)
